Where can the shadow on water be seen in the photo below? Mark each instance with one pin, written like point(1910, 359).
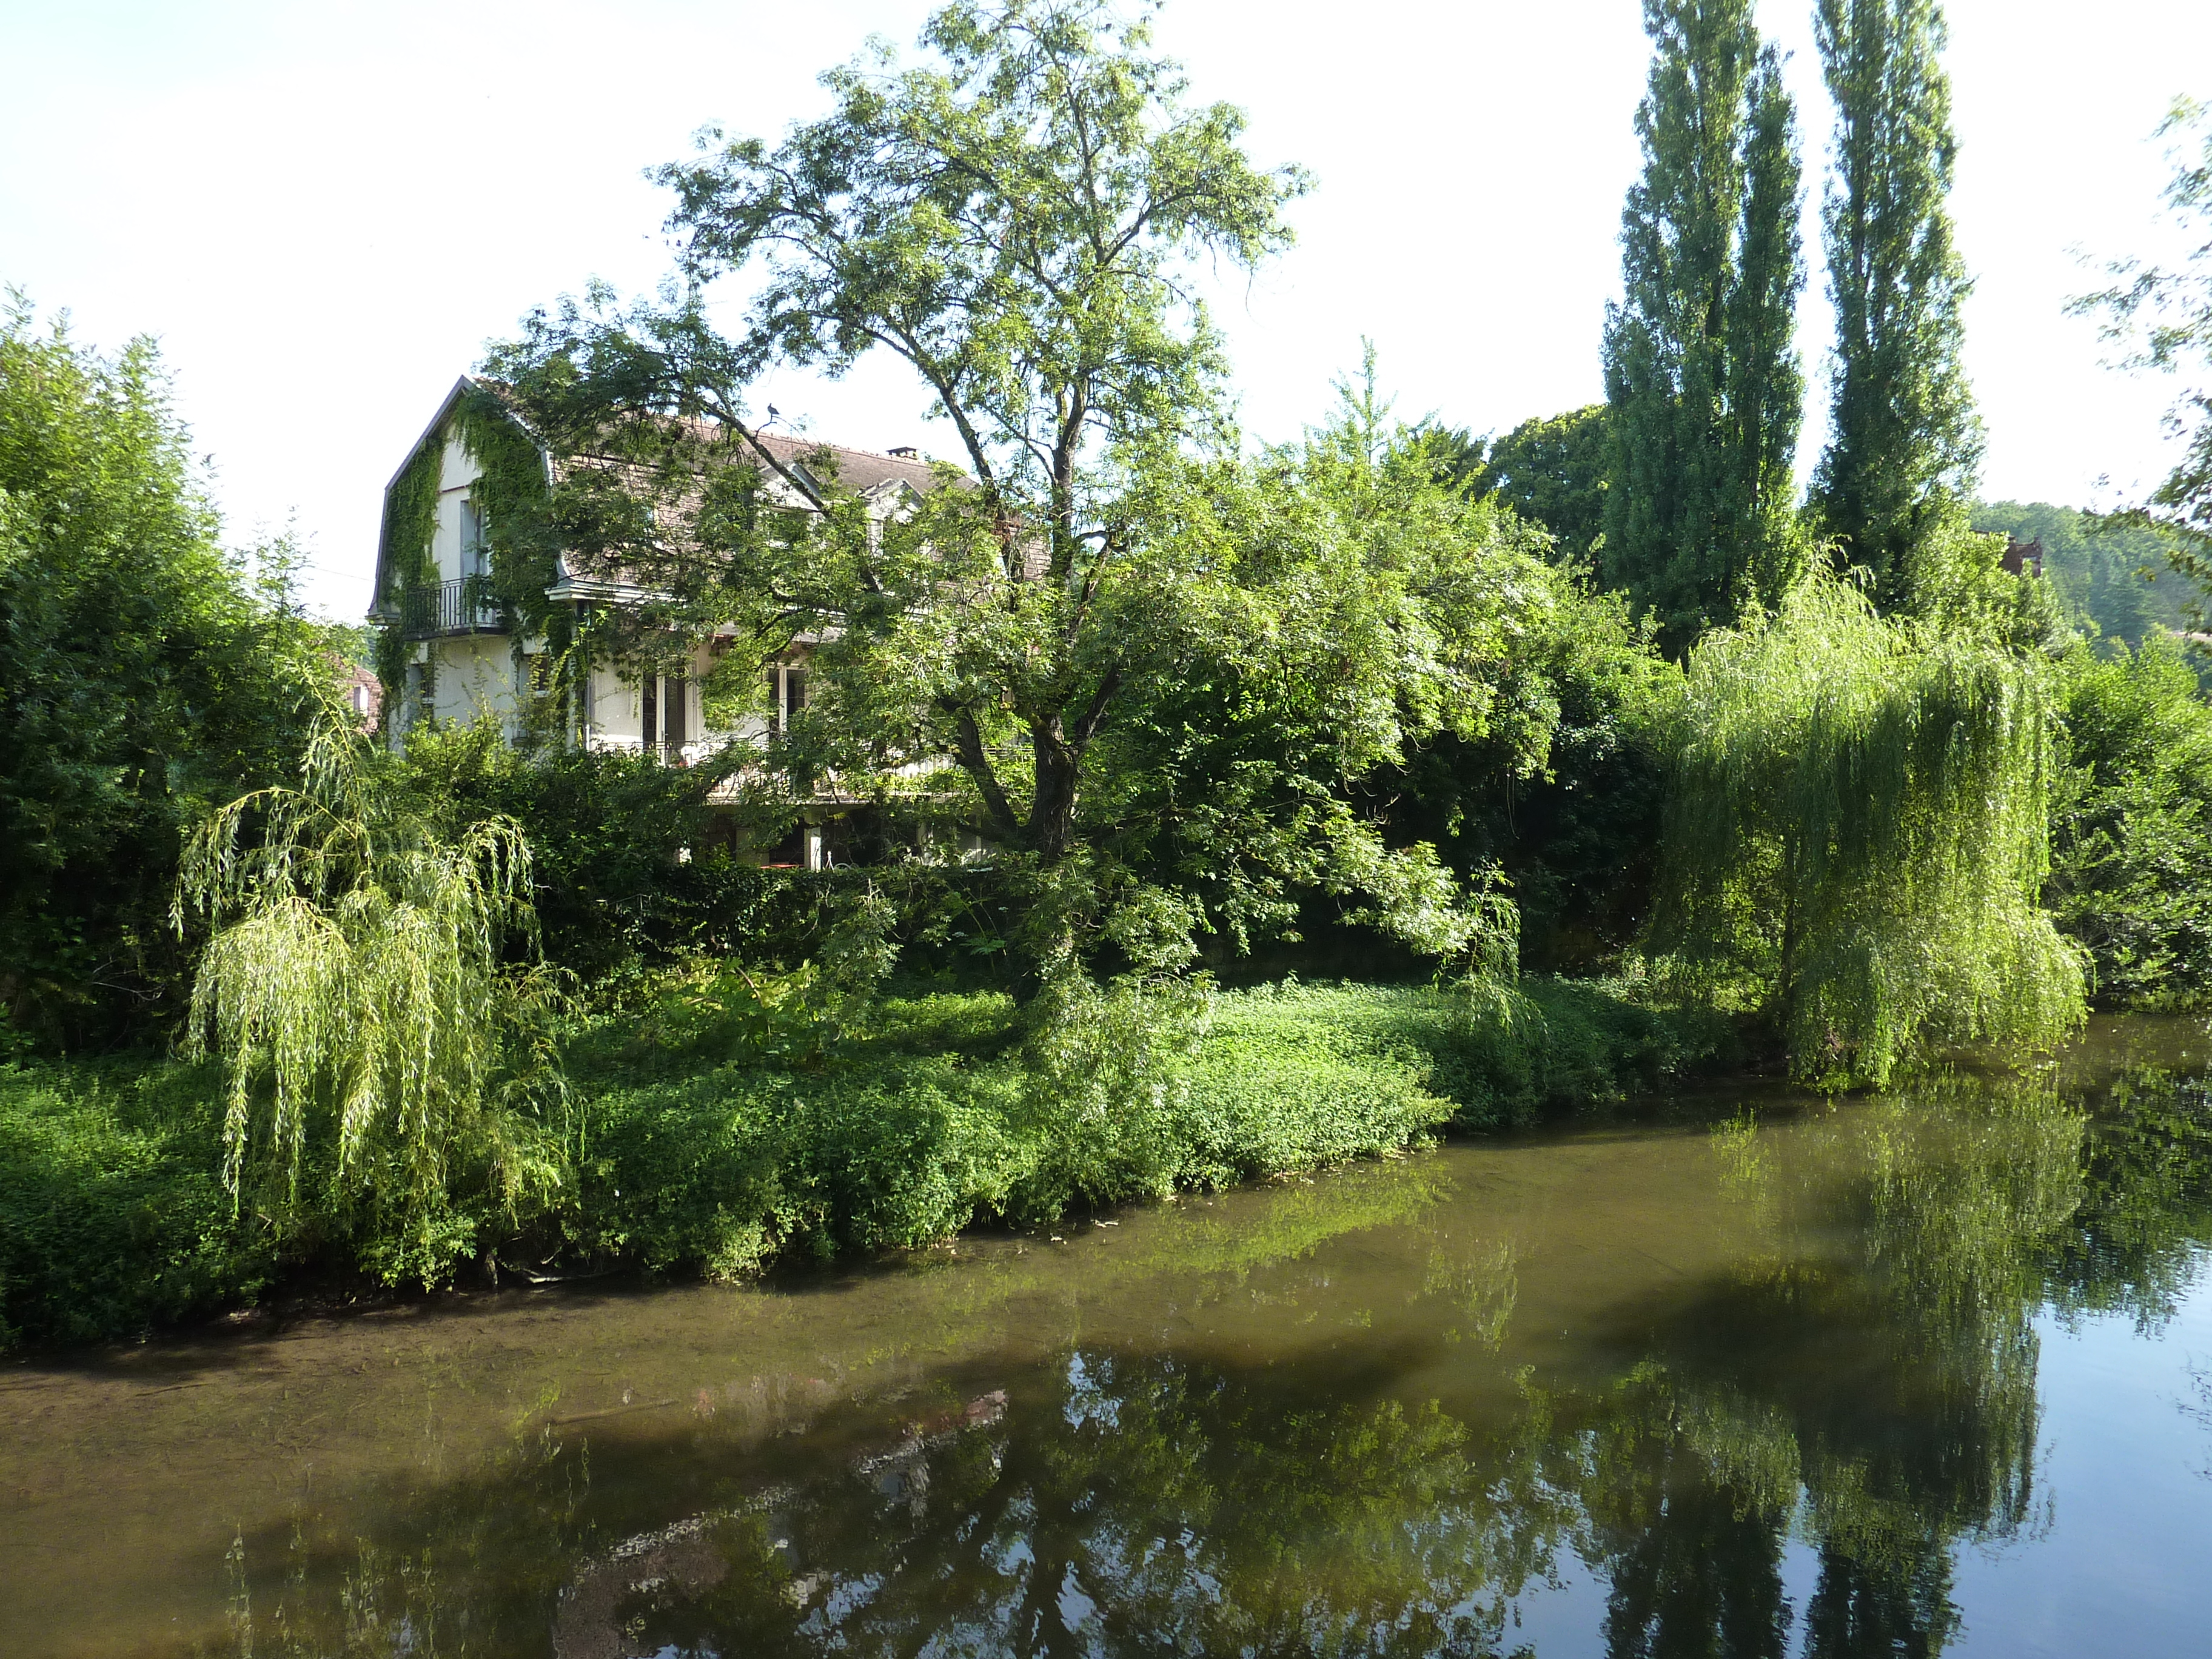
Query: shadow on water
point(1384, 1413)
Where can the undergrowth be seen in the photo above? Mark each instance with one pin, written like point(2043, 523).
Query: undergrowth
point(727, 1118)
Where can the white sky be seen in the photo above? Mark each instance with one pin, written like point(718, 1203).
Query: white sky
point(323, 211)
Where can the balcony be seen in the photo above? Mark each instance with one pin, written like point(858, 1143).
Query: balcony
point(433, 609)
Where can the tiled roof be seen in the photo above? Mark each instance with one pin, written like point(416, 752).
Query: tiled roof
point(857, 469)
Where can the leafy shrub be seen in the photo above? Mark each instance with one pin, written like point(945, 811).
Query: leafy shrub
point(113, 1215)
point(1103, 1100)
point(730, 1169)
point(2132, 823)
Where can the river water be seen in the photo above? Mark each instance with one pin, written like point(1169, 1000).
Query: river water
point(1752, 1374)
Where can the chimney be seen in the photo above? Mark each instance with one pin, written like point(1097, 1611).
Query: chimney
point(905, 451)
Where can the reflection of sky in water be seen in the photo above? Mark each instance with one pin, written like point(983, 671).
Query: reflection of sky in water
point(2127, 1567)
point(2121, 1569)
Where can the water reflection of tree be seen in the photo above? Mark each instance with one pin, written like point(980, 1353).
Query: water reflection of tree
point(1857, 1401)
point(2135, 1243)
point(1879, 1402)
point(1143, 1505)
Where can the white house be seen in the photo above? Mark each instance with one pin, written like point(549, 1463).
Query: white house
point(463, 662)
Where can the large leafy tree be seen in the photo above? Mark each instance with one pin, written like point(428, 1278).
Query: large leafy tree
point(1551, 471)
point(2167, 315)
point(1857, 833)
point(1011, 222)
point(1904, 442)
point(1702, 377)
point(142, 677)
point(1100, 576)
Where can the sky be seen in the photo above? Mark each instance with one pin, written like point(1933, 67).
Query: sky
point(324, 211)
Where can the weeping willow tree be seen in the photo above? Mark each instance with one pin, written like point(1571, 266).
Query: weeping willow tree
point(1856, 836)
point(387, 1075)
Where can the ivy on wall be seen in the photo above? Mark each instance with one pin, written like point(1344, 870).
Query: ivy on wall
point(513, 492)
point(411, 527)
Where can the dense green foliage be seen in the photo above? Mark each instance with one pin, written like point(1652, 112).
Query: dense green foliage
point(1857, 833)
point(2110, 580)
point(355, 990)
point(2132, 823)
point(1905, 441)
point(1577, 832)
point(625, 864)
point(723, 1117)
point(1551, 471)
point(141, 676)
point(113, 1219)
point(1701, 372)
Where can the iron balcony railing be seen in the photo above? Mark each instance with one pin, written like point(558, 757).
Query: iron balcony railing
point(461, 607)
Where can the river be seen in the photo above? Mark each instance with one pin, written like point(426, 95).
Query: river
point(1750, 1373)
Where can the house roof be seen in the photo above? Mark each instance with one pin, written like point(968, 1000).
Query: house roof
point(862, 472)
point(858, 470)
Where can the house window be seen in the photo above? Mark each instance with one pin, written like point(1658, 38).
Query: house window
point(786, 696)
point(677, 691)
point(475, 550)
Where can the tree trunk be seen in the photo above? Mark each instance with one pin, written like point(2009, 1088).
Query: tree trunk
point(1052, 812)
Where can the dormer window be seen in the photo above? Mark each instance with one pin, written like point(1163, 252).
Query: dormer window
point(476, 551)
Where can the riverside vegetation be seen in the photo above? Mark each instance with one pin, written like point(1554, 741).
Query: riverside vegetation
point(1338, 794)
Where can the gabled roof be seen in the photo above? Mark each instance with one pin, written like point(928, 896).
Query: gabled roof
point(862, 472)
point(461, 387)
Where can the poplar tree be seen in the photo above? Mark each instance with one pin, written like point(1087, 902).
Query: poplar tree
point(1703, 384)
point(1905, 441)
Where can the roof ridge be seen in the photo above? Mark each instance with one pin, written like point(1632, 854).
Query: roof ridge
point(913, 459)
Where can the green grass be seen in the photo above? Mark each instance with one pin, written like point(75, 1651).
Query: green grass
point(931, 1116)
point(727, 1120)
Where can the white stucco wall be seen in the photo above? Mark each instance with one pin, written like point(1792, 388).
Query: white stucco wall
point(617, 717)
point(475, 675)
